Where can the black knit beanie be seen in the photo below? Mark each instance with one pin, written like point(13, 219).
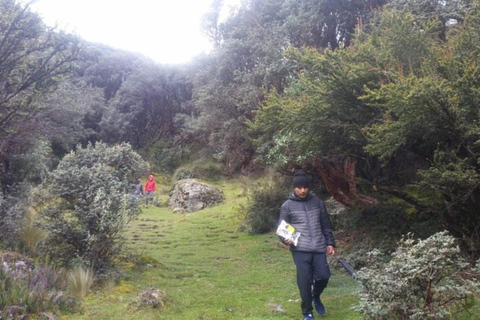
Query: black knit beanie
point(300, 179)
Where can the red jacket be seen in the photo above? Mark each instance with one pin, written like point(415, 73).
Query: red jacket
point(150, 185)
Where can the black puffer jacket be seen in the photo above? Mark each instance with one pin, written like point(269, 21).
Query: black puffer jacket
point(309, 217)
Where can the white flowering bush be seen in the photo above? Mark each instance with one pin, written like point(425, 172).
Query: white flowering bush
point(425, 279)
point(89, 202)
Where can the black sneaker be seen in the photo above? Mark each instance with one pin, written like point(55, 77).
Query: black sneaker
point(318, 305)
point(309, 317)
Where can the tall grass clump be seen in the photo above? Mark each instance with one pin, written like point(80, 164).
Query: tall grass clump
point(36, 292)
point(32, 234)
point(425, 279)
point(263, 206)
point(80, 281)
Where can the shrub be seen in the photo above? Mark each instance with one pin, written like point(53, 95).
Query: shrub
point(361, 231)
point(182, 173)
point(166, 160)
point(151, 297)
point(263, 208)
point(427, 279)
point(208, 170)
point(205, 170)
point(89, 203)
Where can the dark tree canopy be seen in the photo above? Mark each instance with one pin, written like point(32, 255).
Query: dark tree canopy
point(397, 110)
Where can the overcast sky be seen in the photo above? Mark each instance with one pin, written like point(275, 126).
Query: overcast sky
point(167, 31)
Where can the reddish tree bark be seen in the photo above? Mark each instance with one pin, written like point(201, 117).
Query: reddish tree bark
point(339, 177)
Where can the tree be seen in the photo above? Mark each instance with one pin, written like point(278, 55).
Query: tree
point(326, 23)
point(210, 22)
point(444, 13)
point(33, 59)
point(88, 202)
point(146, 105)
point(397, 110)
point(248, 59)
point(103, 67)
point(433, 113)
point(228, 85)
point(317, 122)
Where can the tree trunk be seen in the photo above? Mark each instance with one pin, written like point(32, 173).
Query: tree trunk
point(339, 177)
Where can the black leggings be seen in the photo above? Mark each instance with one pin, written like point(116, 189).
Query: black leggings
point(312, 270)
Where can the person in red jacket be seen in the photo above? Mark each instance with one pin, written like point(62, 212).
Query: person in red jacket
point(150, 187)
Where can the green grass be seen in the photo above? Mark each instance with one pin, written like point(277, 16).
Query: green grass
point(210, 270)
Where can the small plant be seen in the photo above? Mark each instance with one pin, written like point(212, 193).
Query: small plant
point(425, 279)
point(80, 281)
point(151, 297)
point(247, 183)
point(182, 173)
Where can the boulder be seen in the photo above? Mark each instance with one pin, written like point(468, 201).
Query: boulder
point(190, 195)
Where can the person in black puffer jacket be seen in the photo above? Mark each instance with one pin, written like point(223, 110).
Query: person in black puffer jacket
point(308, 215)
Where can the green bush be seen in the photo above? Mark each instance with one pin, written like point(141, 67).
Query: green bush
point(182, 173)
point(205, 170)
point(88, 203)
point(208, 170)
point(380, 227)
point(166, 160)
point(425, 279)
point(263, 208)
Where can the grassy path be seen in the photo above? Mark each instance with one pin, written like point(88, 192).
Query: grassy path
point(209, 270)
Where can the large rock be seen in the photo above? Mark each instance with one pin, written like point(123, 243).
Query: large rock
point(193, 195)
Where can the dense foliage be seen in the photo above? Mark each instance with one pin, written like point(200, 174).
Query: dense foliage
point(33, 61)
point(89, 202)
point(427, 279)
point(378, 99)
point(397, 109)
point(262, 211)
point(36, 293)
